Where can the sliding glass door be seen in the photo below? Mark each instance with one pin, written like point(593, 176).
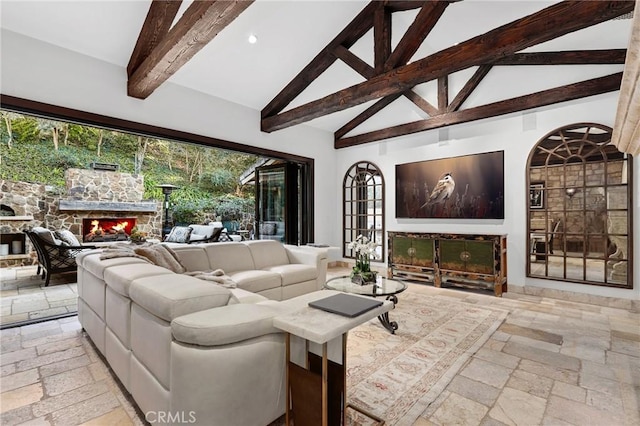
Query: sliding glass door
point(280, 203)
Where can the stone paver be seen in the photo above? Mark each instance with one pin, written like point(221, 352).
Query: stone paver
point(552, 362)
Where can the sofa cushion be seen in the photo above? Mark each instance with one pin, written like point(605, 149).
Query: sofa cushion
point(225, 325)
point(179, 234)
point(295, 273)
point(193, 256)
point(239, 295)
point(91, 262)
point(119, 277)
point(267, 253)
point(172, 295)
point(230, 257)
point(256, 281)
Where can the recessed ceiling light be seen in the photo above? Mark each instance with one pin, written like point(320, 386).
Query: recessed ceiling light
point(252, 39)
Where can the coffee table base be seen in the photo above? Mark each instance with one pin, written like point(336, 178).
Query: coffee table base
point(392, 326)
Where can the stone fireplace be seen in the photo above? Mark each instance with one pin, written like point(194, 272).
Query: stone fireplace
point(88, 195)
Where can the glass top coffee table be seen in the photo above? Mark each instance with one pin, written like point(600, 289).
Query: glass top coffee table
point(383, 287)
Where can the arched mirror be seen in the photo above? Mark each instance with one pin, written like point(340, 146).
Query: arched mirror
point(580, 192)
point(363, 207)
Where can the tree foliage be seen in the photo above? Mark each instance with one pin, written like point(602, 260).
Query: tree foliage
point(40, 150)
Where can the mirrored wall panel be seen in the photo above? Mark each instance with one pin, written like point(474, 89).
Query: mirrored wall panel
point(579, 217)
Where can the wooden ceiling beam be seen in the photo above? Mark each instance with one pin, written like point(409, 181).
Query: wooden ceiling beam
point(547, 24)
point(565, 93)
point(155, 28)
point(357, 64)
point(417, 32)
point(469, 87)
point(421, 103)
point(365, 115)
point(381, 37)
point(569, 57)
point(201, 22)
point(402, 6)
point(323, 60)
point(367, 71)
point(443, 93)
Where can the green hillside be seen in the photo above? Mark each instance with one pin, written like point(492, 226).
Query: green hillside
point(39, 151)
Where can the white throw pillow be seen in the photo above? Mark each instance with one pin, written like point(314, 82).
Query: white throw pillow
point(68, 237)
point(179, 234)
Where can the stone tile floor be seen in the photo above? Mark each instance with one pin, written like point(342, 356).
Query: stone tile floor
point(552, 362)
point(23, 295)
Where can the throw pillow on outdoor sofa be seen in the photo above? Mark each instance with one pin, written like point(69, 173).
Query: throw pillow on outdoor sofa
point(179, 234)
point(268, 228)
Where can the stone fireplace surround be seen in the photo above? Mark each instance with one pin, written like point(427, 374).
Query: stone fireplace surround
point(87, 194)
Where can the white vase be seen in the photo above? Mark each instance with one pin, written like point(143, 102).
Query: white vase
point(16, 247)
point(4, 249)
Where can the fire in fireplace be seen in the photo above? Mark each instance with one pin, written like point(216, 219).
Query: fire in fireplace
point(107, 229)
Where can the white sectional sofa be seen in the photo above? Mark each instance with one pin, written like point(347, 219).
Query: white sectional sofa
point(192, 350)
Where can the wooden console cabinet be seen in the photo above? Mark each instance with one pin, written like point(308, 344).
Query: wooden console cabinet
point(477, 261)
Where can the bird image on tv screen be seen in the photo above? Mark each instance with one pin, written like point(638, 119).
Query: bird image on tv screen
point(466, 187)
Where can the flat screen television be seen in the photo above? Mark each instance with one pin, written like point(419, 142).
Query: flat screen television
point(465, 187)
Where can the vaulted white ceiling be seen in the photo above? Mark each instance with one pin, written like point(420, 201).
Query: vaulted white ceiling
point(290, 34)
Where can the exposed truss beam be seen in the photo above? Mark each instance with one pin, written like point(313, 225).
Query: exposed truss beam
point(565, 93)
point(469, 87)
point(365, 115)
point(401, 6)
point(201, 22)
point(156, 26)
point(417, 32)
point(569, 57)
point(547, 24)
point(367, 71)
point(323, 60)
point(381, 37)
point(443, 93)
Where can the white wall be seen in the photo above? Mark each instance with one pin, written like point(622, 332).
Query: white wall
point(42, 72)
point(46, 73)
point(516, 134)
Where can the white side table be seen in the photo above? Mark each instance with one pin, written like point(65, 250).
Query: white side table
point(317, 326)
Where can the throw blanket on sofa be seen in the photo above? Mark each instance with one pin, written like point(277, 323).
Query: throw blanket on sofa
point(218, 276)
point(161, 255)
point(157, 254)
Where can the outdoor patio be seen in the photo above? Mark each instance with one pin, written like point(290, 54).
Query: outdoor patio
point(23, 296)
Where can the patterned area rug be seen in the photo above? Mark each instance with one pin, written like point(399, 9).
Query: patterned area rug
point(396, 377)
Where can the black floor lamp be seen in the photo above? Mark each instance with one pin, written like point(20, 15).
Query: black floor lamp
point(167, 189)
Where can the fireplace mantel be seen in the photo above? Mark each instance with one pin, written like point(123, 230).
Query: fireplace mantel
point(110, 206)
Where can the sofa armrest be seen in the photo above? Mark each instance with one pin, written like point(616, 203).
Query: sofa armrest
point(305, 255)
point(317, 257)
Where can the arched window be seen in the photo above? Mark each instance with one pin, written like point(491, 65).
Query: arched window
point(579, 197)
point(363, 204)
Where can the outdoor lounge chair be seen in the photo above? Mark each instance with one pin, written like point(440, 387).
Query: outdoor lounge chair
point(54, 256)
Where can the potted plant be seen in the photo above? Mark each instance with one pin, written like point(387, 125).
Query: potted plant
point(361, 273)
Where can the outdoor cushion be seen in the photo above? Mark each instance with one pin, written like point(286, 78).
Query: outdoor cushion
point(47, 235)
point(179, 234)
point(68, 237)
